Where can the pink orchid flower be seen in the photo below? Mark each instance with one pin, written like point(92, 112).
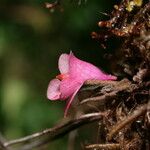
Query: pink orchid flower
point(74, 72)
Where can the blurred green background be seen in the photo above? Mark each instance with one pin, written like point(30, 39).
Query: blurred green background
point(31, 40)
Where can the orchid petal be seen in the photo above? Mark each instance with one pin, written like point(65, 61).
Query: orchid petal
point(63, 63)
point(71, 99)
point(68, 86)
point(83, 71)
point(53, 92)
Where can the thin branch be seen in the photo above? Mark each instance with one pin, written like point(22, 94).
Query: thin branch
point(129, 119)
point(2, 140)
point(108, 146)
point(100, 82)
point(123, 84)
point(115, 88)
point(99, 98)
point(2, 146)
point(55, 132)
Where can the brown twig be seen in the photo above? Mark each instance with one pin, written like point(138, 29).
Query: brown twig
point(123, 84)
point(2, 141)
point(128, 120)
point(2, 147)
point(99, 98)
point(109, 146)
point(115, 88)
point(58, 130)
point(99, 82)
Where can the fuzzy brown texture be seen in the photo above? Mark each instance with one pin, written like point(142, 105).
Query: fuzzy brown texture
point(127, 127)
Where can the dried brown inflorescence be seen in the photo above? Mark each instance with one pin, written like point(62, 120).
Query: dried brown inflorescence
point(127, 125)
